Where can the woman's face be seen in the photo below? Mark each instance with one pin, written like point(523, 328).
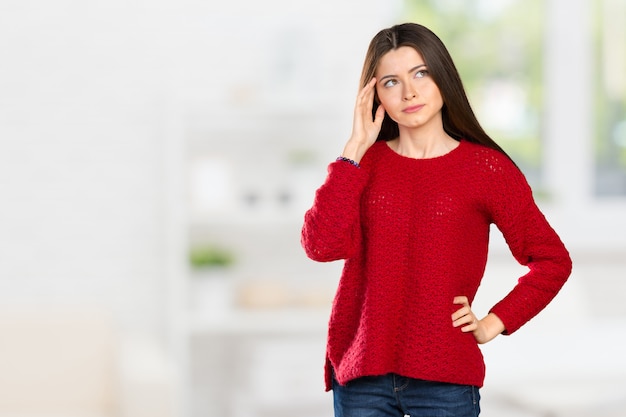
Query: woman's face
point(406, 90)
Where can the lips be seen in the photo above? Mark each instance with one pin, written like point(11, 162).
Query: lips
point(413, 109)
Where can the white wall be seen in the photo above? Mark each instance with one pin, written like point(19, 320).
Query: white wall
point(89, 92)
point(81, 219)
point(97, 99)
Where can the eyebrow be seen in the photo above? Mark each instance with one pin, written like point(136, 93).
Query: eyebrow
point(408, 72)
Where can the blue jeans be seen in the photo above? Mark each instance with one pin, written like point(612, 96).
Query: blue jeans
point(392, 395)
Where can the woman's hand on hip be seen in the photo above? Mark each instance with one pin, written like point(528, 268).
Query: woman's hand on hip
point(483, 330)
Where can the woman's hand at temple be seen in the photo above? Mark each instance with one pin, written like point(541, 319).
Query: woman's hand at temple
point(365, 129)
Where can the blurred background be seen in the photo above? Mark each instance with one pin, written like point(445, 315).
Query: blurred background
point(157, 158)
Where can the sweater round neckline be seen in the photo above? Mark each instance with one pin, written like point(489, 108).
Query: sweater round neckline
point(432, 159)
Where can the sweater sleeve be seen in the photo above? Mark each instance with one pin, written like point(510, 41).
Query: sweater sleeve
point(331, 229)
point(533, 243)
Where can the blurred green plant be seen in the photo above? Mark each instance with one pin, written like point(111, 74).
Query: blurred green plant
point(301, 157)
point(210, 256)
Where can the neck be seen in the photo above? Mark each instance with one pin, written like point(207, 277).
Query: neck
point(423, 144)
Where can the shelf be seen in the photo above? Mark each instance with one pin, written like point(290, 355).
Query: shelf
point(260, 322)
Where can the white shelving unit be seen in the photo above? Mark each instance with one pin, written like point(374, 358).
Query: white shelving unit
point(280, 299)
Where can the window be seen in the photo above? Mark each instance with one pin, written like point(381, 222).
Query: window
point(610, 98)
point(497, 46)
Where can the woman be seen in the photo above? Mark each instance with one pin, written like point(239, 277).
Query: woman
point(408, 206)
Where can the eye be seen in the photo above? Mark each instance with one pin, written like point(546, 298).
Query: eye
point(390, 82)
point(421, 74)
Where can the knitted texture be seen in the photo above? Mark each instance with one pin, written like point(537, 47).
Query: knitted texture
point(414, 234)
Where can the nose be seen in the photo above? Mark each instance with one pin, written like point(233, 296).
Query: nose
point(409, 93)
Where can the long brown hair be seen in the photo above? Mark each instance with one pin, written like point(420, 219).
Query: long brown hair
point(458, 117)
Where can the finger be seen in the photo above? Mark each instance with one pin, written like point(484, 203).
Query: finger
point(461, 299)
point(367, 90)
point(466, 319)
point(472, 325)
point(379, 116)
point(462, 312)
point(364, 103)
point(364, 107)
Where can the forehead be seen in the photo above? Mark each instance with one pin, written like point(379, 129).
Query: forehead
point(398, 61)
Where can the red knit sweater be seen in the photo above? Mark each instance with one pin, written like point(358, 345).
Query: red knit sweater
point(414, 234)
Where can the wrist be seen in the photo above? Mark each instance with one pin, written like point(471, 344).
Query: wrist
point(350, 161)
point(493, 326)
point(354, 150)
